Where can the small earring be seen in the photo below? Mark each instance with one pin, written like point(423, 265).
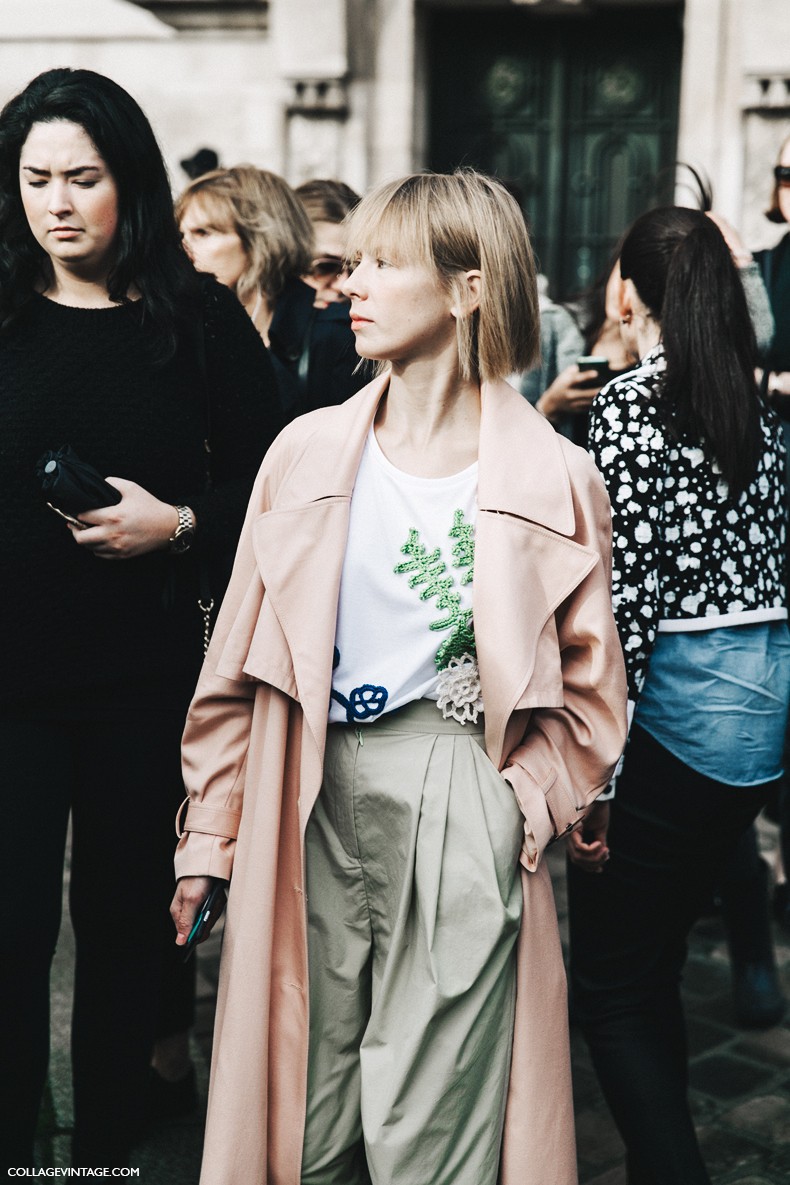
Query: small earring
point(626, 320)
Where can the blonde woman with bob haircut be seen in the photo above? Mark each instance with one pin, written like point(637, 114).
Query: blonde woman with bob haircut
point(414, 686)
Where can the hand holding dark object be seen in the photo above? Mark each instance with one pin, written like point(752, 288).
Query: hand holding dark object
point(588, 849)
point(136, 524)
point(207, 915)
point(118, 518)
point(570, 393)
point(72, 485)
point(191, 896)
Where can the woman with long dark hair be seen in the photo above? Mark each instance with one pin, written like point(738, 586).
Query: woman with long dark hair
point(110, 343)
point(694, 465)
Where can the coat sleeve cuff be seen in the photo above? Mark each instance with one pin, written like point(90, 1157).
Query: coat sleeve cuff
point(204, 855)
point(209, 820)
point(609, 793)
point(538, 827)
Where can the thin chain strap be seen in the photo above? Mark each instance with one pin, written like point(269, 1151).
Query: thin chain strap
point(205, 608)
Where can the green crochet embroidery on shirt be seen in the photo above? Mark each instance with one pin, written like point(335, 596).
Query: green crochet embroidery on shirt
point(461, 641)
point(464, 550)
point(428, 569)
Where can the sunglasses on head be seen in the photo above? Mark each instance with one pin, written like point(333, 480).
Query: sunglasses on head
point(328, 265)
point(782, 174)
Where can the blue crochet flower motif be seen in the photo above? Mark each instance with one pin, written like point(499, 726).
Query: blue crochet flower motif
point(363, 703)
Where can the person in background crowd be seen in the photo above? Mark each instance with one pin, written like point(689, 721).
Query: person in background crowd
point(327, 204)
point(563, 392)
point(695, 468)
point(774, 266)
point(99, 312)
point(202, 161)
point(248, 228)
point(561, 345)
point(407, 901)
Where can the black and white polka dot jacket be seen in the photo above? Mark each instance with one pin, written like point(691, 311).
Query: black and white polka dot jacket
point(683, 557)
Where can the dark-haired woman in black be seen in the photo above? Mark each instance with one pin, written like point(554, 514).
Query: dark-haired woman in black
point(103, 323)
point(694, 466)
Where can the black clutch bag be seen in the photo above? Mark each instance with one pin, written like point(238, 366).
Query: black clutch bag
point(72, 485)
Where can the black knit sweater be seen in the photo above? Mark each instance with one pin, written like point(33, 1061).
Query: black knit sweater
point(78, 631)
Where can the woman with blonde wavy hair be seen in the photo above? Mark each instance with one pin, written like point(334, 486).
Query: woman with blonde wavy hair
point(249, 229)
point(414, 686)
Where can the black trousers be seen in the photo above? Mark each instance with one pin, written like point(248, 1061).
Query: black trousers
point(672, 832)
point(120, 780)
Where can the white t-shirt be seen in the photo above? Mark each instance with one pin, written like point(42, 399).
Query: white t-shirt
point(405, 603)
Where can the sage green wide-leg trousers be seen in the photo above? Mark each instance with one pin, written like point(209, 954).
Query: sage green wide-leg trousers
point(414, 905)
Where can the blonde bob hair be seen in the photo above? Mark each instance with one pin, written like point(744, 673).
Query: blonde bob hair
point(268, 217)
point(455, 223)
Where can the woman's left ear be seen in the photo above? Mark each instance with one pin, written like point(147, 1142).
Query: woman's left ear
point(470, 286)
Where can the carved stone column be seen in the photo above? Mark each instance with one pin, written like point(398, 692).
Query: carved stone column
point(312, 54)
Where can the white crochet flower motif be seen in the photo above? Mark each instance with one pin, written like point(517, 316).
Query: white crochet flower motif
point(460, 695)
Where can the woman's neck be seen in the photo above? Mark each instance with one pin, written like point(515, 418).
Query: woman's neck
point(260, 314)
point(610, 345)
point(79, 292)
point(428, 424)
point(648, 334)
point(643, 330)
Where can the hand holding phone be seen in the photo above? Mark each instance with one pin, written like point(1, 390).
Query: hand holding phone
point(597, 363)
point(208, 913)
point(570, 393)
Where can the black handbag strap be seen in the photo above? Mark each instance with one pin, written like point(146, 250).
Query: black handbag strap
point(199, 339)
point(205, 596)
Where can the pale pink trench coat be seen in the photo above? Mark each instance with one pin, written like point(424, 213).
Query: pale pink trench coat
point(554, 693)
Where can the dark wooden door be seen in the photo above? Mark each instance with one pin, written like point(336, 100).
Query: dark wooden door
point(577, 113)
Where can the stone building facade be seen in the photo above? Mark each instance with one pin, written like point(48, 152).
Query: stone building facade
point(365, 89)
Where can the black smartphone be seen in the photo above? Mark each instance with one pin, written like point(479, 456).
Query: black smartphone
point(211, 908)
point(597, 363)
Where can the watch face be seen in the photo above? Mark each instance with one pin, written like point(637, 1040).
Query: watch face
point(181, 542)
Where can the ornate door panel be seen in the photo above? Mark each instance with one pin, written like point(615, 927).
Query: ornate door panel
point(578, 115)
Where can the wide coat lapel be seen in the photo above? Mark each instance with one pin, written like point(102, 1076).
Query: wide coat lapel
point(526, 560)
point(299, 548)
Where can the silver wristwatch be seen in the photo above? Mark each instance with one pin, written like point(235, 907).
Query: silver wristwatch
point(184, 533)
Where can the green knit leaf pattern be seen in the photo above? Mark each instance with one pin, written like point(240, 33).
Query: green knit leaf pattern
point(427, 571)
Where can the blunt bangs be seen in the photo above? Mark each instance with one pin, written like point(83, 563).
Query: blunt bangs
point(390, 224)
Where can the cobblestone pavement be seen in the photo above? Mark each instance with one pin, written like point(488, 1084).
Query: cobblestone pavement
point(740, 1081)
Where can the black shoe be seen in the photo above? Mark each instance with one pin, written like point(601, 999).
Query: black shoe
point(169, 1100)
point(756, 995)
